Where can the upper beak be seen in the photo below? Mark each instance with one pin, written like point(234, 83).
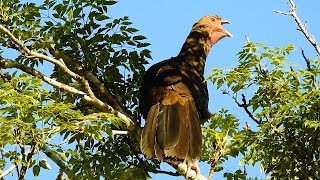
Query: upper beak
point(226, 22)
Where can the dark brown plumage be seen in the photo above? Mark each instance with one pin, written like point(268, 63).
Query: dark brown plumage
point(174, 98)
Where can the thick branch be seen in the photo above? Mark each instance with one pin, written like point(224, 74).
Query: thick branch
point(5, 63)
point(27, 157)
point(79, 67)
point(301, 26)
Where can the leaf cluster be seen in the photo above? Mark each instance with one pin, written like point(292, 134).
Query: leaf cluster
point(283, 101)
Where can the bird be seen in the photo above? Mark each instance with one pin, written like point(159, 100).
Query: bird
point(174, 97)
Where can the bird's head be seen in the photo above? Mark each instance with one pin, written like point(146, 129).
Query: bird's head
point(212, 26)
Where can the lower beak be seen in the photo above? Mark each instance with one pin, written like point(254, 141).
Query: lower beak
point(226, 22)
point(228, 34)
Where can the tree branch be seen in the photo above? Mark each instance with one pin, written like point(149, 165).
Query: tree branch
point(302, 28)
point(8, 171)
point(5, 76)
point(26, 157)
point(6, 63)
point(314, 80)
point(306, 60)
point(167, 172)
point(56, 158)
point(81, 69)
point(88, 96)
point(58, 63)
point(245, 106)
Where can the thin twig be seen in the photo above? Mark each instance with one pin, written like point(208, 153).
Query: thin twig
point(292, 12)
point(306, 60)
point(245, 106)
point(314, 80)
point(167, 172)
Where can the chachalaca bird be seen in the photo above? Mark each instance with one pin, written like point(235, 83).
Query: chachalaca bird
point(174, 97)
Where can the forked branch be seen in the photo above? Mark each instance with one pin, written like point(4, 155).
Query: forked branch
point(292, 12)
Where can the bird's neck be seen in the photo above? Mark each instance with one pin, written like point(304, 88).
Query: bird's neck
point(194, 52)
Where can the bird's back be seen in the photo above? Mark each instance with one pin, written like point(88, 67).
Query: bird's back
point(171, 72)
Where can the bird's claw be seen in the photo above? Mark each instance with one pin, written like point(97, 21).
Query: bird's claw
point(192, 165)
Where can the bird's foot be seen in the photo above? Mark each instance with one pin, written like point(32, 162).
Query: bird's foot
point(192, 165)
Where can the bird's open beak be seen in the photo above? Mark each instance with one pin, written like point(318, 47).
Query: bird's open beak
point(226, 22)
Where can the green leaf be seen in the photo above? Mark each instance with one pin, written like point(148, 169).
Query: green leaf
point(139, 37)
point(70, 14)
point(43, 163)
point(76, 12)
point(36, 170)
point(110, 2)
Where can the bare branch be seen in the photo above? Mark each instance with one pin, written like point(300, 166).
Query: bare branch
point(280, 12)
point(8, 171)
point(27, 154)
point(292, 12)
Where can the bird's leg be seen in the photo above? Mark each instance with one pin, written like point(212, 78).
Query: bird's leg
point(192, 165)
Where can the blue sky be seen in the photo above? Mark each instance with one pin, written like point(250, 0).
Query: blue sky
point(166, 24)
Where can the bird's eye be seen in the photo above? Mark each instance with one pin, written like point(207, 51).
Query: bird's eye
point(212, 19)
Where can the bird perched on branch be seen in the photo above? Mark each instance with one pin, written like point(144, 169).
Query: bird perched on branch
point(174, 97)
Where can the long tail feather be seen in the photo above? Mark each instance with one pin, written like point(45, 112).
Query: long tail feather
point(172, 129)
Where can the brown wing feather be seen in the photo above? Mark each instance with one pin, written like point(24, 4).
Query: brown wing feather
point(195, 131)
point(148, 136)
